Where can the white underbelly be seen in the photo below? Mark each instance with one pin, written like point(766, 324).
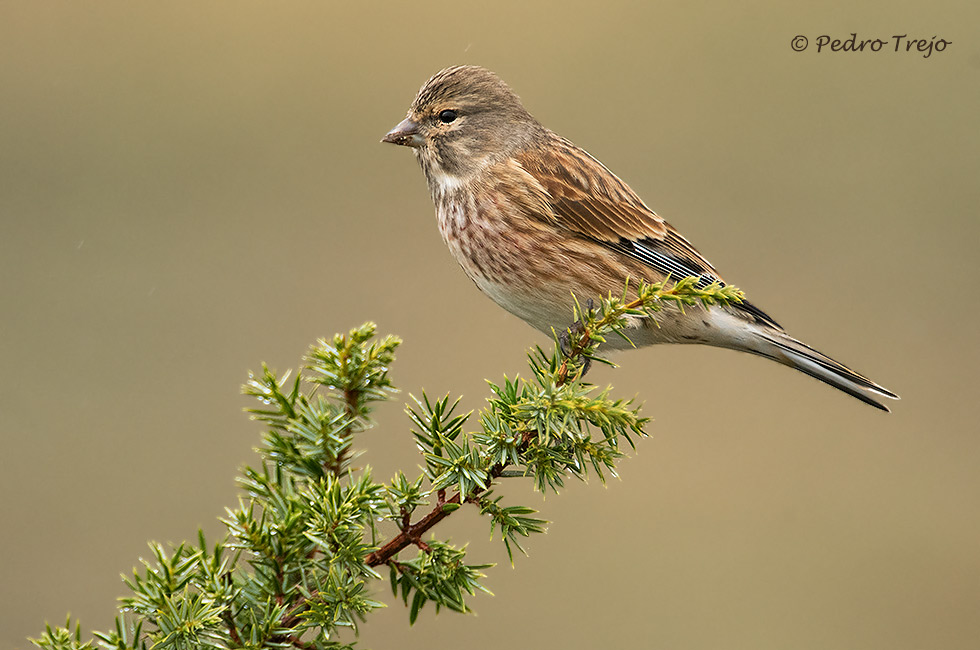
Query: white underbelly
point(696, 324)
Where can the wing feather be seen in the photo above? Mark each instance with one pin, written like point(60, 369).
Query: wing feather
point(588, 198)
point(584, 196)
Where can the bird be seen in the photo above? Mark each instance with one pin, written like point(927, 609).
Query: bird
point(538, 223)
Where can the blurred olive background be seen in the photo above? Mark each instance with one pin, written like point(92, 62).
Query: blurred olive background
point(188, 189)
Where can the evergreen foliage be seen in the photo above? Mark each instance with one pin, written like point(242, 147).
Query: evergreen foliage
point(299, 563)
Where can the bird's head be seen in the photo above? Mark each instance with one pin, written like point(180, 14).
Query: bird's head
point(463, 119)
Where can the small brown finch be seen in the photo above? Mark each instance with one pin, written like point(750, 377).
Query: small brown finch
point(534, 220)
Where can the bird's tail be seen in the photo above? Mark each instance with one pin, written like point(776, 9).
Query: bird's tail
point(781, 347)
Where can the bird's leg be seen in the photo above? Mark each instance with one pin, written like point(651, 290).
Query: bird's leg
point(569, 340)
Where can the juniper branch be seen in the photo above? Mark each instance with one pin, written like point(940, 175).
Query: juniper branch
point(307, 527)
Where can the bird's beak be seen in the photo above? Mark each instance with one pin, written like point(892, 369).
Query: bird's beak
point(406, 133)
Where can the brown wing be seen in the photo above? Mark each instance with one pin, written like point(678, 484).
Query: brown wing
point(586, 197)
point(590, 199)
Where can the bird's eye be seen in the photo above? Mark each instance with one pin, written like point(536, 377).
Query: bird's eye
point(448, 116)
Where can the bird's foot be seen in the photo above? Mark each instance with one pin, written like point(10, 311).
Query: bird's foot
point(568, 344)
